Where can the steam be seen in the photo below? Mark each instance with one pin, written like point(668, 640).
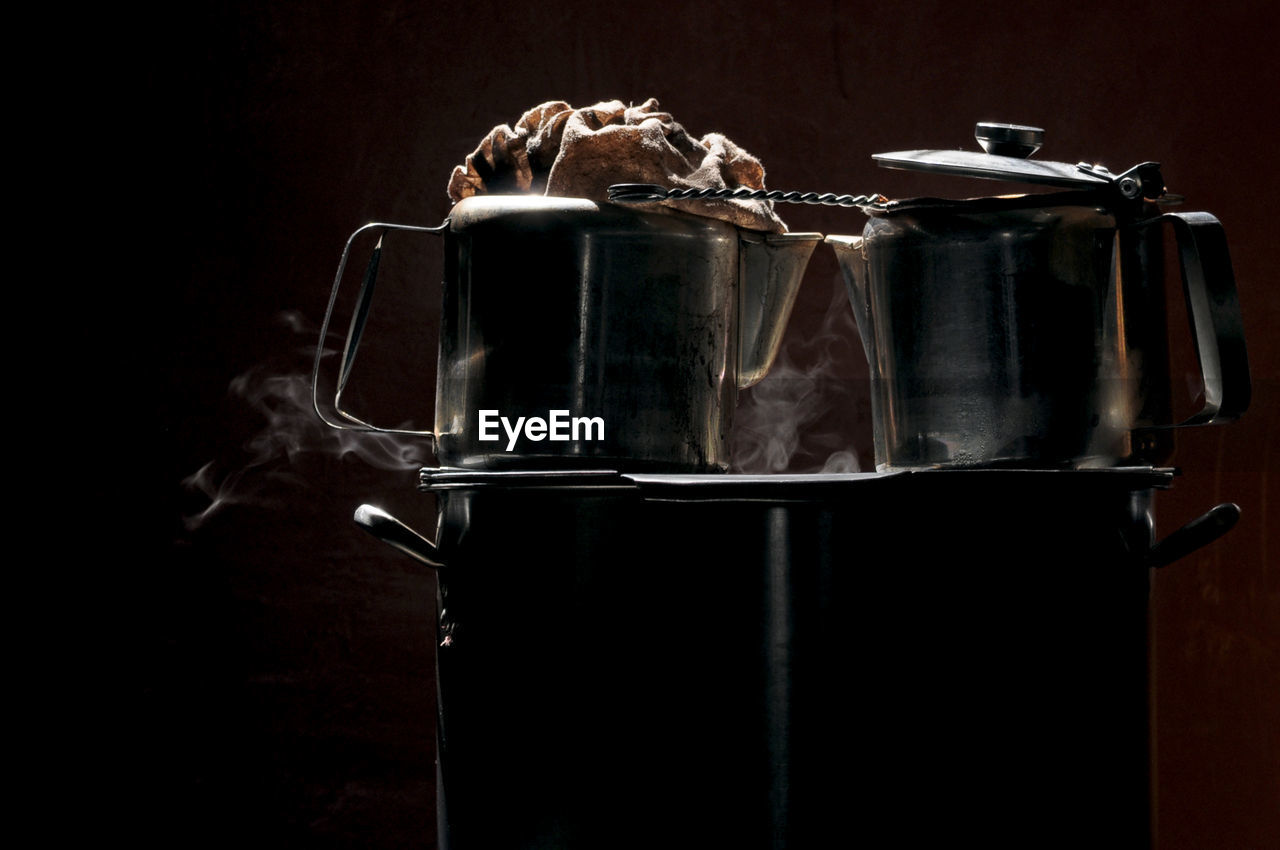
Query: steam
point(795, 420)
point(779, 425)
point(292, 432)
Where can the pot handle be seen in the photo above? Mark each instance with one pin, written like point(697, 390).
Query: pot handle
point(343, 420)
point(1198, 533)
point(396, 534)
point(1213, 308)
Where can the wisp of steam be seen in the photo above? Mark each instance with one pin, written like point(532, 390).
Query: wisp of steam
point(773, 431)
point(774, 426)
point(291, 430)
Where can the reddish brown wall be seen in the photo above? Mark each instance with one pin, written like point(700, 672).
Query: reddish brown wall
point(276, 662)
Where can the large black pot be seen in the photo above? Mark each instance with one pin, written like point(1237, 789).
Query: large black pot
point(641, 661)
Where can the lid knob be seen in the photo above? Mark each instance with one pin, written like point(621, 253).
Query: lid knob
point(1013, 140)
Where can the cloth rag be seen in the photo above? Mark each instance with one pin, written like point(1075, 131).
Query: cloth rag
point(555, 149)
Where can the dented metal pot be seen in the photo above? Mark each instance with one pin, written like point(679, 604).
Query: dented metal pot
point(1031, 330)
point(595, 336)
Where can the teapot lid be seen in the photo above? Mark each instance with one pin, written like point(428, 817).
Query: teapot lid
point(1006, 149)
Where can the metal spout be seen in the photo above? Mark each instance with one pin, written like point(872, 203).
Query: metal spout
point(771, 266)
point(853, 267)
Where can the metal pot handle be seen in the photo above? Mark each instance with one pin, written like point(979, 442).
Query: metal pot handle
point(1198, 533)
point(345, 421)
point(1213, 308)
point(399, 536)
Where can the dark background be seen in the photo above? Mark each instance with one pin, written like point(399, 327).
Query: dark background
point(272, 664)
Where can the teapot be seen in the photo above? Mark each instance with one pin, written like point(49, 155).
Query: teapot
point(579, 335)
point(1030, 330)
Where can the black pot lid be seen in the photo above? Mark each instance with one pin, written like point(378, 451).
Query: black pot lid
point(1006, 149)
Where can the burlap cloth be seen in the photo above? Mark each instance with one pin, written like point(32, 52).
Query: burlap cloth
point(555, 149)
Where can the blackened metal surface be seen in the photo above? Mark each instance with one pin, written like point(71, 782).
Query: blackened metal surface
point(930, 655)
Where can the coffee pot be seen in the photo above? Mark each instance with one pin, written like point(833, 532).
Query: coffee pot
point(1030, 330)
point(579, 335)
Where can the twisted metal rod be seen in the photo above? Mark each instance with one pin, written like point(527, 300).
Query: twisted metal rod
point(640, 193)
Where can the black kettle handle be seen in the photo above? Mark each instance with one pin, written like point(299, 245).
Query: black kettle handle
point(397, 535)
point(1198, 533)
point(1213, 308)
point(343, 420)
